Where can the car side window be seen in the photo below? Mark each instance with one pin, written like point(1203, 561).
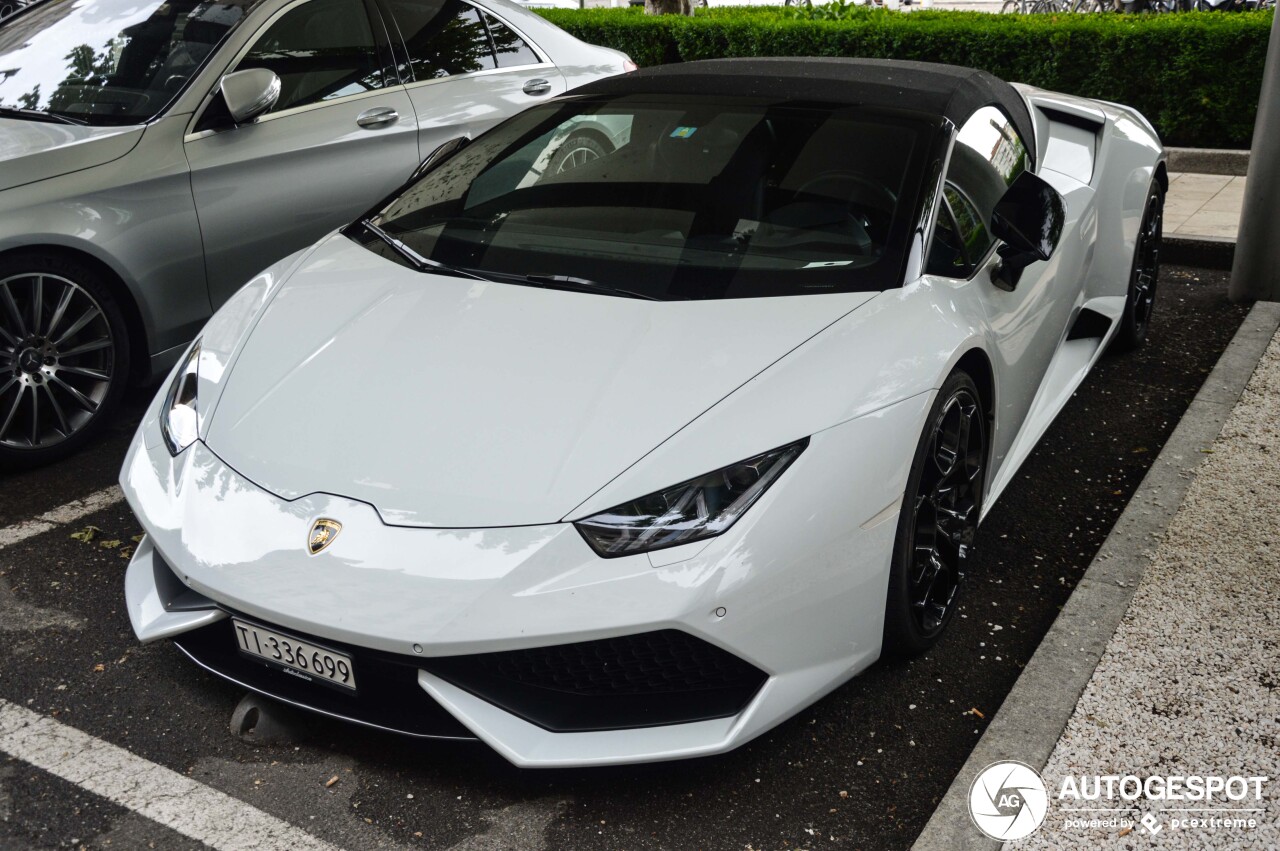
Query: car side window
point(946, 253)
point(969, 226)
point(442, 38)
point(510, 49)
point(321, 50)
point(987, 156)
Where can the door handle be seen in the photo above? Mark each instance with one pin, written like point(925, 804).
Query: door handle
point(379, 116)
point(537, 86)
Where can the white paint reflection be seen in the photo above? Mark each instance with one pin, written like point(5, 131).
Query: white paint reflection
point(582, 576)
point(470, 555)
point(232, 522)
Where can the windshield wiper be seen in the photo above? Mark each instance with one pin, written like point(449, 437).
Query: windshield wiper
point(581, 285)
point(416, 260)
point(550, 282)
point(39, 115)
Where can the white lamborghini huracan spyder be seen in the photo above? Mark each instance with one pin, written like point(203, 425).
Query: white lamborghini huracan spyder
point(640, 422)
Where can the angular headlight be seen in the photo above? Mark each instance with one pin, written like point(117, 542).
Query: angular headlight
point(690, 511)
point(178, 421)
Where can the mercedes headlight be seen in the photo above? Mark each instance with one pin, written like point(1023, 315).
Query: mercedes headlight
point(178, 421)
point(690, 511)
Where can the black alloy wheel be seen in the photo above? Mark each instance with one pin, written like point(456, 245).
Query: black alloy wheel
point(1135, 322)
point(63, 357)
point(938, 520)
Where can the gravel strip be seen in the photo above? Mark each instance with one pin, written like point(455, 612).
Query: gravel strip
point(1190, 682)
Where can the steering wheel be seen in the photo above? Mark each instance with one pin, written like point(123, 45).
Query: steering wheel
point(851, 187)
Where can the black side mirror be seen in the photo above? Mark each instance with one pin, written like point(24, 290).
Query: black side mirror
point(1029, 220)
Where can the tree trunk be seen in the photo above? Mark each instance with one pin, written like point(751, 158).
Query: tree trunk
point(1255, 274)
point(668, 7)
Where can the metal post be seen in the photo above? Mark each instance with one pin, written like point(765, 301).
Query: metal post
point(1255, 274)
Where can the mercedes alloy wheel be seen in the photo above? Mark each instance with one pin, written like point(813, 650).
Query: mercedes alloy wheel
point(63, 357)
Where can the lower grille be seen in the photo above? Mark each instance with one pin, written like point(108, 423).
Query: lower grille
point(645, 680)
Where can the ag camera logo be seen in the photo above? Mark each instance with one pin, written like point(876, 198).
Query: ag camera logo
point(1008, 800)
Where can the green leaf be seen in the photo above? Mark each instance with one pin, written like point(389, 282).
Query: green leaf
point(87, 534)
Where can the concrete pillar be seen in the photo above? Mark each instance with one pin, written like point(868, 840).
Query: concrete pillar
point(1255, 275)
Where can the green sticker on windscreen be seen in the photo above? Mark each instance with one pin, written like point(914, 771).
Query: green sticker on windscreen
point(683, 132)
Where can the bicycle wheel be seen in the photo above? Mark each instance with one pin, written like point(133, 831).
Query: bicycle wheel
point(1011, 7)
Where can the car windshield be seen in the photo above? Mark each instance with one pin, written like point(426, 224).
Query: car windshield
point(666, 198)
point(108, 61)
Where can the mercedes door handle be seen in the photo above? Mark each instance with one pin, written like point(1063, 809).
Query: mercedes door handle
point(536, 87)
point(379, 116)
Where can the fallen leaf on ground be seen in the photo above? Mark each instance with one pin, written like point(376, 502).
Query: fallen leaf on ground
point(87, 534)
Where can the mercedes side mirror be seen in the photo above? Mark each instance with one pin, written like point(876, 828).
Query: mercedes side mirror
point(250, 93)
point(1028, 220)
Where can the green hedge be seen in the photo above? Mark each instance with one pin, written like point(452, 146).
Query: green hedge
point(1195, 75)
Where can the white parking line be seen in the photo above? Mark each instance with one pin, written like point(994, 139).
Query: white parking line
point(164, 796)
point(73, 510)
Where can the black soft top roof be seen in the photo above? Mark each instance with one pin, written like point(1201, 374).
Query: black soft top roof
point(947, 91)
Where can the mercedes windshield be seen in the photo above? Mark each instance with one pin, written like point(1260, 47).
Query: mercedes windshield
point(107, 62)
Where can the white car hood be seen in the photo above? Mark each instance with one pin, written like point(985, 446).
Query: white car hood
point(37, 150)
point(452, 403)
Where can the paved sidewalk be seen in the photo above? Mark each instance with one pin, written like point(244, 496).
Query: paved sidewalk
point(1203, 205)
point(1190, 682)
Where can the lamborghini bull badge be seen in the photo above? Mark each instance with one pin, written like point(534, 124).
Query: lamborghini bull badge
point(323, 531)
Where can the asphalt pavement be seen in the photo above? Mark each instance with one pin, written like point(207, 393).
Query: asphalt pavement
point(116, 745)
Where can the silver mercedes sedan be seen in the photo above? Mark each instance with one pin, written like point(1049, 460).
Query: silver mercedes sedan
point(156, 154)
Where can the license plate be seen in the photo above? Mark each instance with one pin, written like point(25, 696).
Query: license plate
point(294, 656)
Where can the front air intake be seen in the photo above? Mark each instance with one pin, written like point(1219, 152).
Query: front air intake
point(645, 680)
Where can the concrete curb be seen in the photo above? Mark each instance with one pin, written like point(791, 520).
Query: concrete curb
point(1207, 252)
point(1033, 716)
point(1208, 161)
